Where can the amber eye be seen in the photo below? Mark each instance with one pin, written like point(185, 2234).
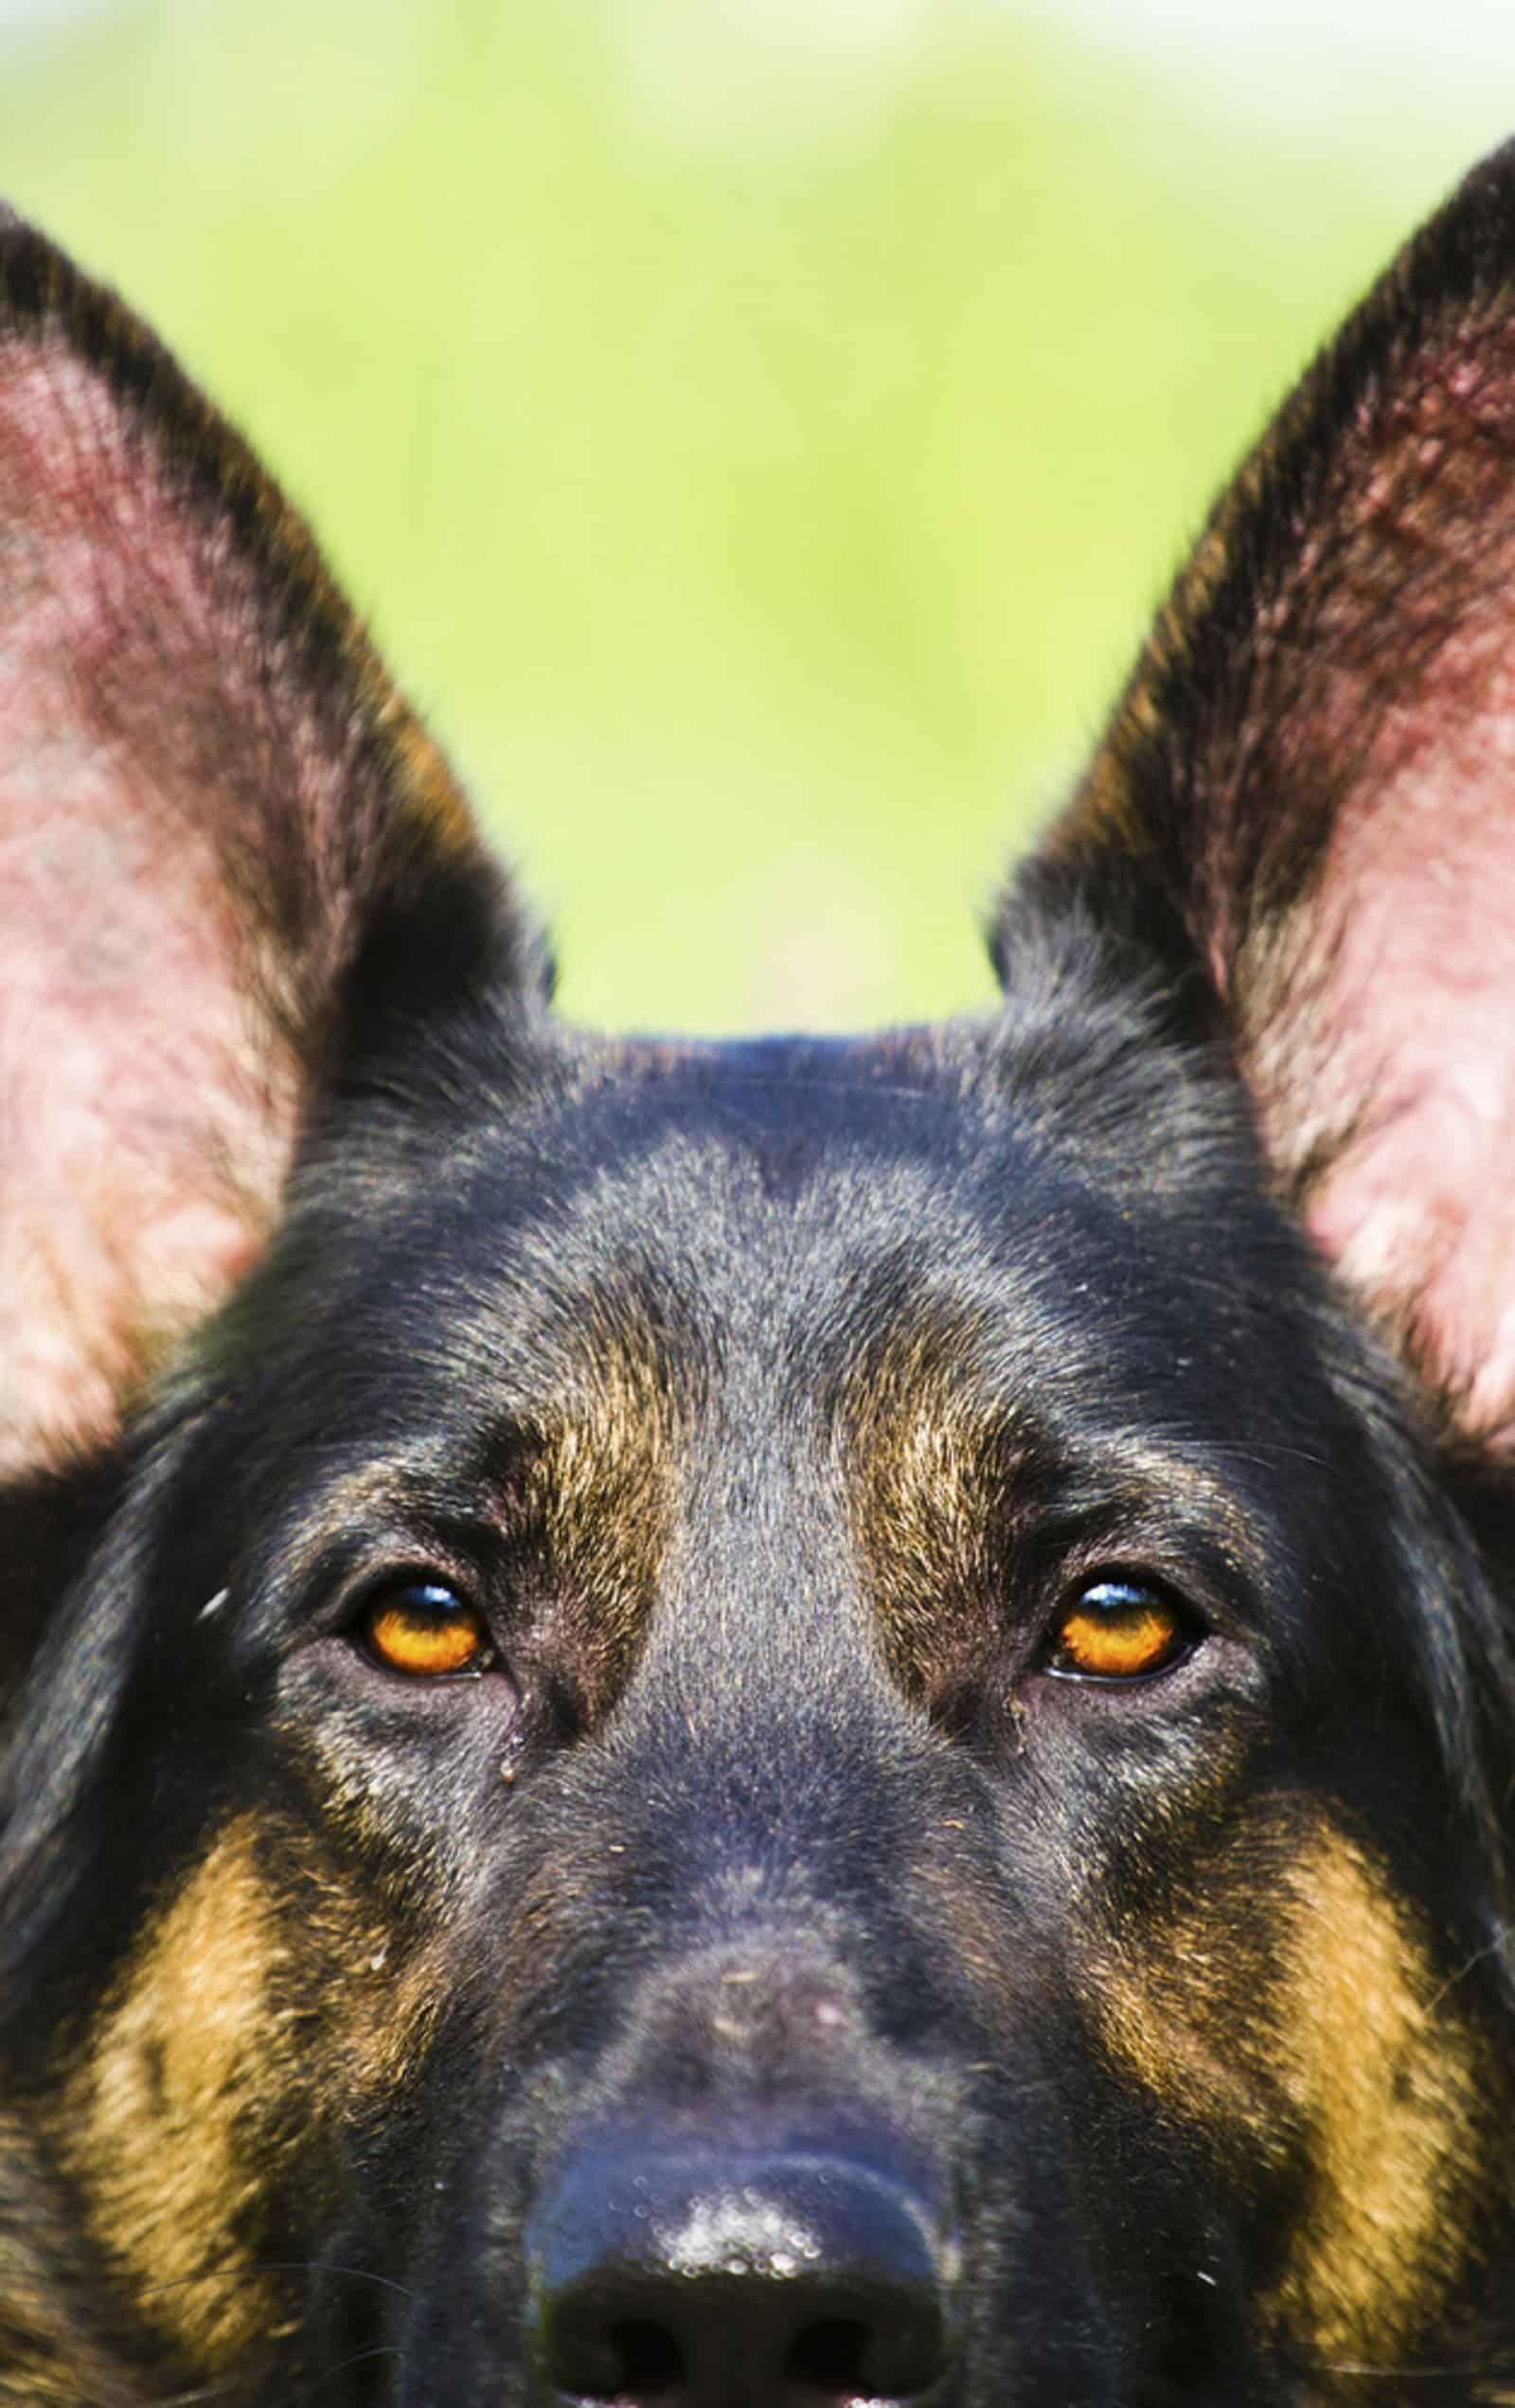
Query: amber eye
point(424, 1629)
point(1118, 1630)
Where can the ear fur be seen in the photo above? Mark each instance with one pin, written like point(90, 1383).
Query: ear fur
point(1305, 800)
point(211, 796)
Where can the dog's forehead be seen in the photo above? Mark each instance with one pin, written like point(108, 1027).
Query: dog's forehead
point(731, 1175)
point(798, 1110)
point(906, 1172)
point(787, 1203)
point(780, 1202)
point(808, 1148)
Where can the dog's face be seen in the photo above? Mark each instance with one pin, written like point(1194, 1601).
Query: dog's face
point(800, 1722)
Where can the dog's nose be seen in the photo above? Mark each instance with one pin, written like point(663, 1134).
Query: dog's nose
point(707, 2278)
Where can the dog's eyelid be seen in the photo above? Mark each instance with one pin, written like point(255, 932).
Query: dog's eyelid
point(1215, 1569)
point(323, 1585)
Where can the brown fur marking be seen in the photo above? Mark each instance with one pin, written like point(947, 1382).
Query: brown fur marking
point(175, 2107)
point(929, 1474)
point(603, 1492)
point(209, 2070)
point(1290, 2004)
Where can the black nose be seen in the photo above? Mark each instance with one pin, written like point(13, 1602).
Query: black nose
point(713, 2278)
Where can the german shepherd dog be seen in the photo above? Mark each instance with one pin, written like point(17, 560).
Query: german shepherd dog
point(761, 1725)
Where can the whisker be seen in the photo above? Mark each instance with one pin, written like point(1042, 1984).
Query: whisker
point(227, 2271)
point(359, 2358)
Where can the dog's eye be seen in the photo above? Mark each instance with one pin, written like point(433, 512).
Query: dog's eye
point(1118, 1630)
point(424, 1629)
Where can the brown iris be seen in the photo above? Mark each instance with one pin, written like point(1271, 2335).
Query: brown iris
point(423, 1629)
point(1118, 1630)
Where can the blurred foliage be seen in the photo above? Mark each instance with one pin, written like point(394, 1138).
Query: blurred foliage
point(757, 432)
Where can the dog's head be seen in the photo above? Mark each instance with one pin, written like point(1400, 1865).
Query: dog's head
point(797, 1722)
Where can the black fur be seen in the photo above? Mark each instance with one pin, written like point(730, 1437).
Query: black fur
point(774, 1972)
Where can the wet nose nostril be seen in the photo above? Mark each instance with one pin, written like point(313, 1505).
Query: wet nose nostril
point(649, 2365)
point(830, 2357)
point(716, 2279)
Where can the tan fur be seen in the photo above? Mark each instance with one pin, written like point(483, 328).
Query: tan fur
point(937, 1484)
point(210, 2067)
point(930, 1478)
point(1388, 2086)
point(172, 2107)
point(52, 2352)
point(1291, 2008)
point(603, 1493)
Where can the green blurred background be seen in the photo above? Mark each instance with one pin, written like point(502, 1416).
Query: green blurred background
point(757, 432)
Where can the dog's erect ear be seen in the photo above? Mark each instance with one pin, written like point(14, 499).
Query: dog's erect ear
point(1309, 794)
point(210, 797)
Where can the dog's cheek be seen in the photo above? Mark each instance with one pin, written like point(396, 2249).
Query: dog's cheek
point(1393, 2091)
point(1288, 2015)
point(179, 2107)
point(201, 2123)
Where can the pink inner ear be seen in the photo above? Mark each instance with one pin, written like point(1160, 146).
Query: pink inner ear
point(1378, 701)
point(1406, 1039)
point(140, 1148)
point(147, 1105)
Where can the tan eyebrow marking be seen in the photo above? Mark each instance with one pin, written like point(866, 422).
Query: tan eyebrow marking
point(949, 1488)
point(603, 1489)
point(930, 1472)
